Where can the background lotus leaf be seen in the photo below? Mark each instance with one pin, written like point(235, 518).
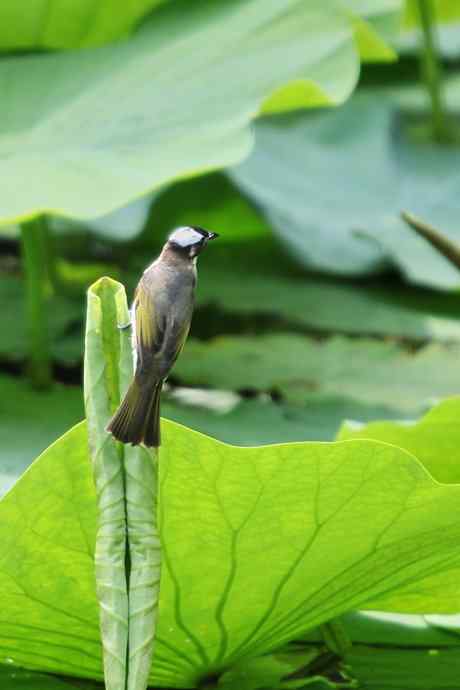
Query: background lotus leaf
point(172, 100)
point(220, 501)
point(364, 163)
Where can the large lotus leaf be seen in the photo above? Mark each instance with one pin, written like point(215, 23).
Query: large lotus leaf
point(301, 369)
point(48, 527)
point(30, 421)
point(223, 512)
point(333, 184)
point(175, 99)
point(434, 439)
point(69, 24)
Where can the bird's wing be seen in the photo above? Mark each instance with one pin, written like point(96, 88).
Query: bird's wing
point(159, 336)
point(176, 335)
point(149, 331)
point(145, 321)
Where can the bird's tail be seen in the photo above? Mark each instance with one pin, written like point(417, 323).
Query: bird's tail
point(137, 420)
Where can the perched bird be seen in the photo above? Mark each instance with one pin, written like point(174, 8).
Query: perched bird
point(160, 320)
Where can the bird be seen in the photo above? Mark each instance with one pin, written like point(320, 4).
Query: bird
point(161, 315)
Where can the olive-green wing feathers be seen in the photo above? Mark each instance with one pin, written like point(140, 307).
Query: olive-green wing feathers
point(176, 342)
point(147, 332)
point(155, 334)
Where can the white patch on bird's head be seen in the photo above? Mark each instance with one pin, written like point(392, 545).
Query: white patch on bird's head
point(190, 239)
point(186, 237)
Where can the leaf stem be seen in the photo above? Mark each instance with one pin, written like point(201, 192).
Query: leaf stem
point(432, 71)
point(35, 260)
point(437, 239)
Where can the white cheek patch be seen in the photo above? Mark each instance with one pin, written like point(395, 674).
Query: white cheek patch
point(185, 237)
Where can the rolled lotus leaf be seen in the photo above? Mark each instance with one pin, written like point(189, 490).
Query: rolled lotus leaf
point(127, 558)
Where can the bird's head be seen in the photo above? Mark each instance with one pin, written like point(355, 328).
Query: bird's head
point(190, 240)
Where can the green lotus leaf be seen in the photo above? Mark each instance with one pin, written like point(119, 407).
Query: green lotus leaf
point(364, 163)
point(73, 24)
point(302, 369)
point(224, 512)
point(434, 439)
point(63, 314)
point(174, 100)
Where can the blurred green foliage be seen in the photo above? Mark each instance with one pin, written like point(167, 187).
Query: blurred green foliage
point(317, 304)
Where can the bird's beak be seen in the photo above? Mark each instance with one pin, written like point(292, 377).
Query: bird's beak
point(212, 235)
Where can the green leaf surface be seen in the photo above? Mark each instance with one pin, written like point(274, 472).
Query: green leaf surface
point(48, 527)
point(12, 678)
point(302, 369)
point(67, 24)
point(434, 439)
point(223, 509)
point(255, 279)
point(121, 120)
point(364, 163)
point(30, 421)
point(63, 314)
point(404, 669)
